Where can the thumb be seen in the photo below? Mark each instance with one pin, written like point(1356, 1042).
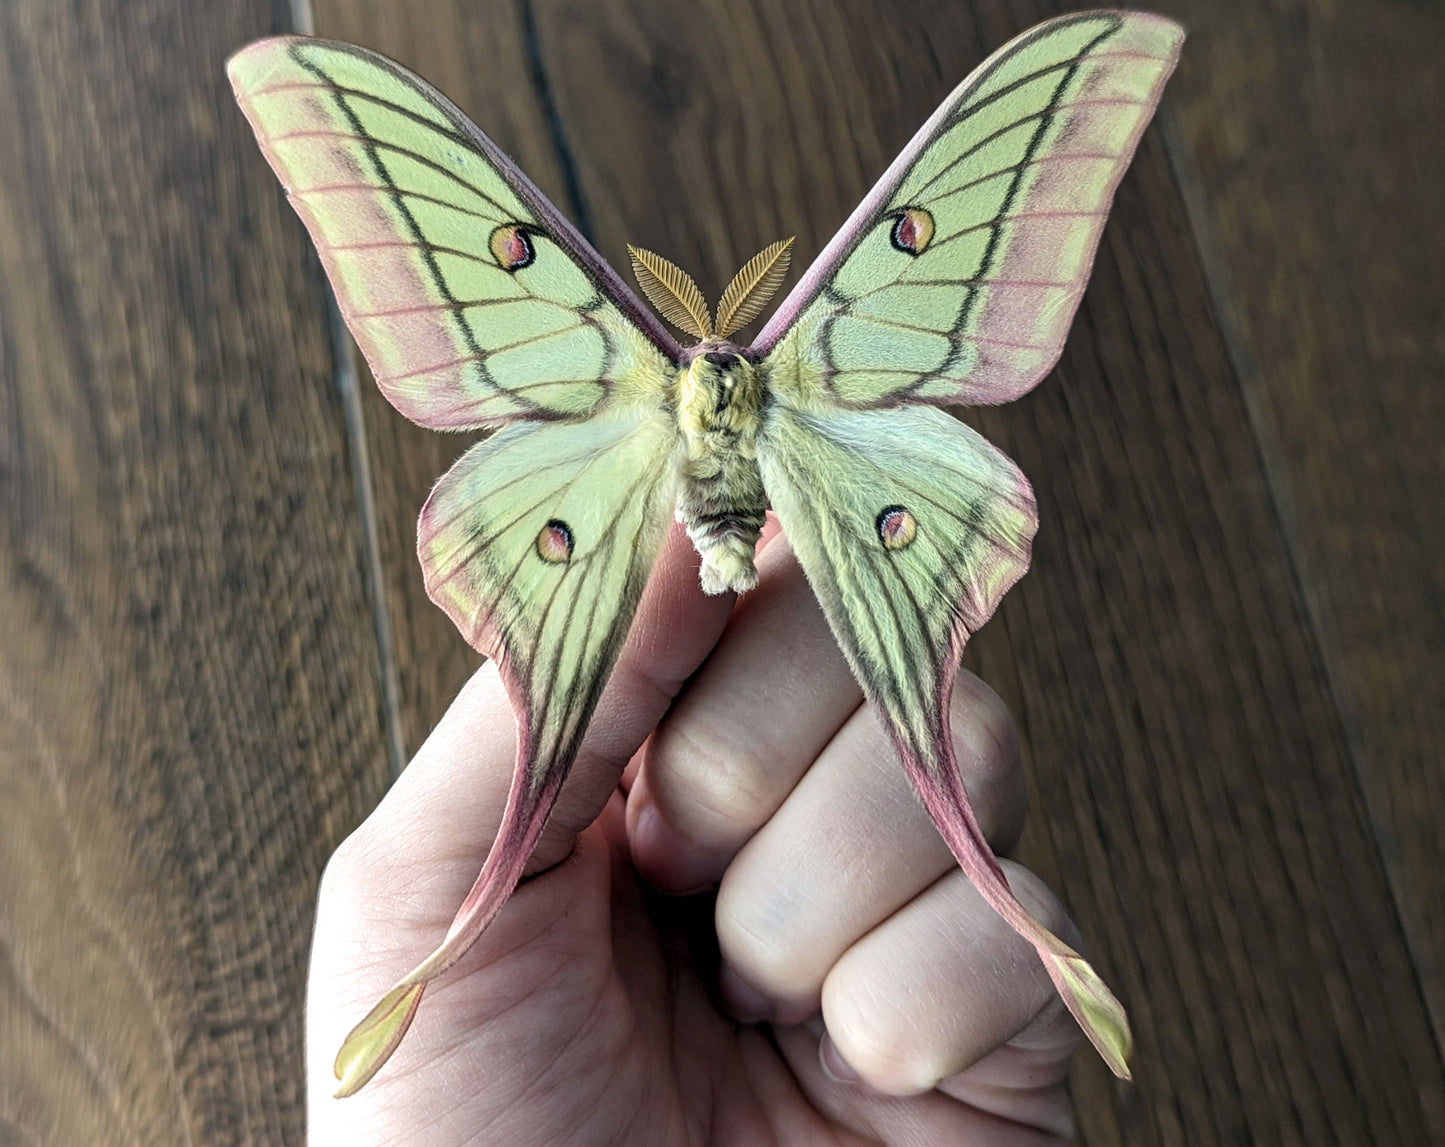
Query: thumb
point(393, 885)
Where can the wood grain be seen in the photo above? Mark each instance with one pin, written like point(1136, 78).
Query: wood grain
point(189, 716)
point(1227, 661)
point(1308, 142)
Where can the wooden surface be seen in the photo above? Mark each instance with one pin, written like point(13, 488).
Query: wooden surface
point(1228, 662)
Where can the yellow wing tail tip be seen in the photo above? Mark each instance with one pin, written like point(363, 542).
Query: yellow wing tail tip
point(1097, 1010)
point(370, 1043)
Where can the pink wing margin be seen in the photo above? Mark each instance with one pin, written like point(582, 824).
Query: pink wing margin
point(1002, 376)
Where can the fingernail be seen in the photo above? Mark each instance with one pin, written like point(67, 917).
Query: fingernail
point(745, 1001)
point(667, 859)
point(834, 1066)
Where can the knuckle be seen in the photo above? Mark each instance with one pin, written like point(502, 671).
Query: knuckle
point(885, 1052)
point(352, 860)
point(756, 932)
point(982, 724)
point(905, 1024)
point(709, 780)
point(344, 874)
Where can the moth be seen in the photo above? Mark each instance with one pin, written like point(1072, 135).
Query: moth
point(477, 304)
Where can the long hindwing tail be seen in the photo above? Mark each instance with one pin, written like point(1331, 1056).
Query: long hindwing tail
point(911, 528)
point(956, 279)
point(473, 299)
point(538, 544)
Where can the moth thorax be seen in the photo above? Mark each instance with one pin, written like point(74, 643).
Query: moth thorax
point(720, 392)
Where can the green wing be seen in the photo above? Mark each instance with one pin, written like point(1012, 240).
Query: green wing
point(911, 528)
point(473, 299)
point(538, 544)
point(956, 280)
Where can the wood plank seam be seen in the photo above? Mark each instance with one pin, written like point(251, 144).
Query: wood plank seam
point(348, 385)
point(576, 207)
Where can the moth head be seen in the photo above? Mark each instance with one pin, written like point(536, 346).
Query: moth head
point(720, 390)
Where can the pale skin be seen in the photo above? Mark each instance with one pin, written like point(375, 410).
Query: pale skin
point(732, 748)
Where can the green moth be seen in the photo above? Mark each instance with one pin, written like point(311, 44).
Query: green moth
point(478, 305)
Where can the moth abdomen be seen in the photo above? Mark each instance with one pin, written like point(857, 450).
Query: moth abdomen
point(726, 540)
point(721, 502)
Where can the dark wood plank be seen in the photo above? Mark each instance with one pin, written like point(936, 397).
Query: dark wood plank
point(1308, 137)
point(1165, 643)
point(189, 711)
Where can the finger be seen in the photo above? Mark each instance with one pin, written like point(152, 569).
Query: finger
point(934, 1117)
point(771, 530)
point(850, 846)
point(415, 856)
point(772, 694)
point(928, 996)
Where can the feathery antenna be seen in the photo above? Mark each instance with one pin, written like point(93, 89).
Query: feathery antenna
point(672, 292)
point(753, 287)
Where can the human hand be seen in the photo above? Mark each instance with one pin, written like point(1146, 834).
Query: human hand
point(899, 1006)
